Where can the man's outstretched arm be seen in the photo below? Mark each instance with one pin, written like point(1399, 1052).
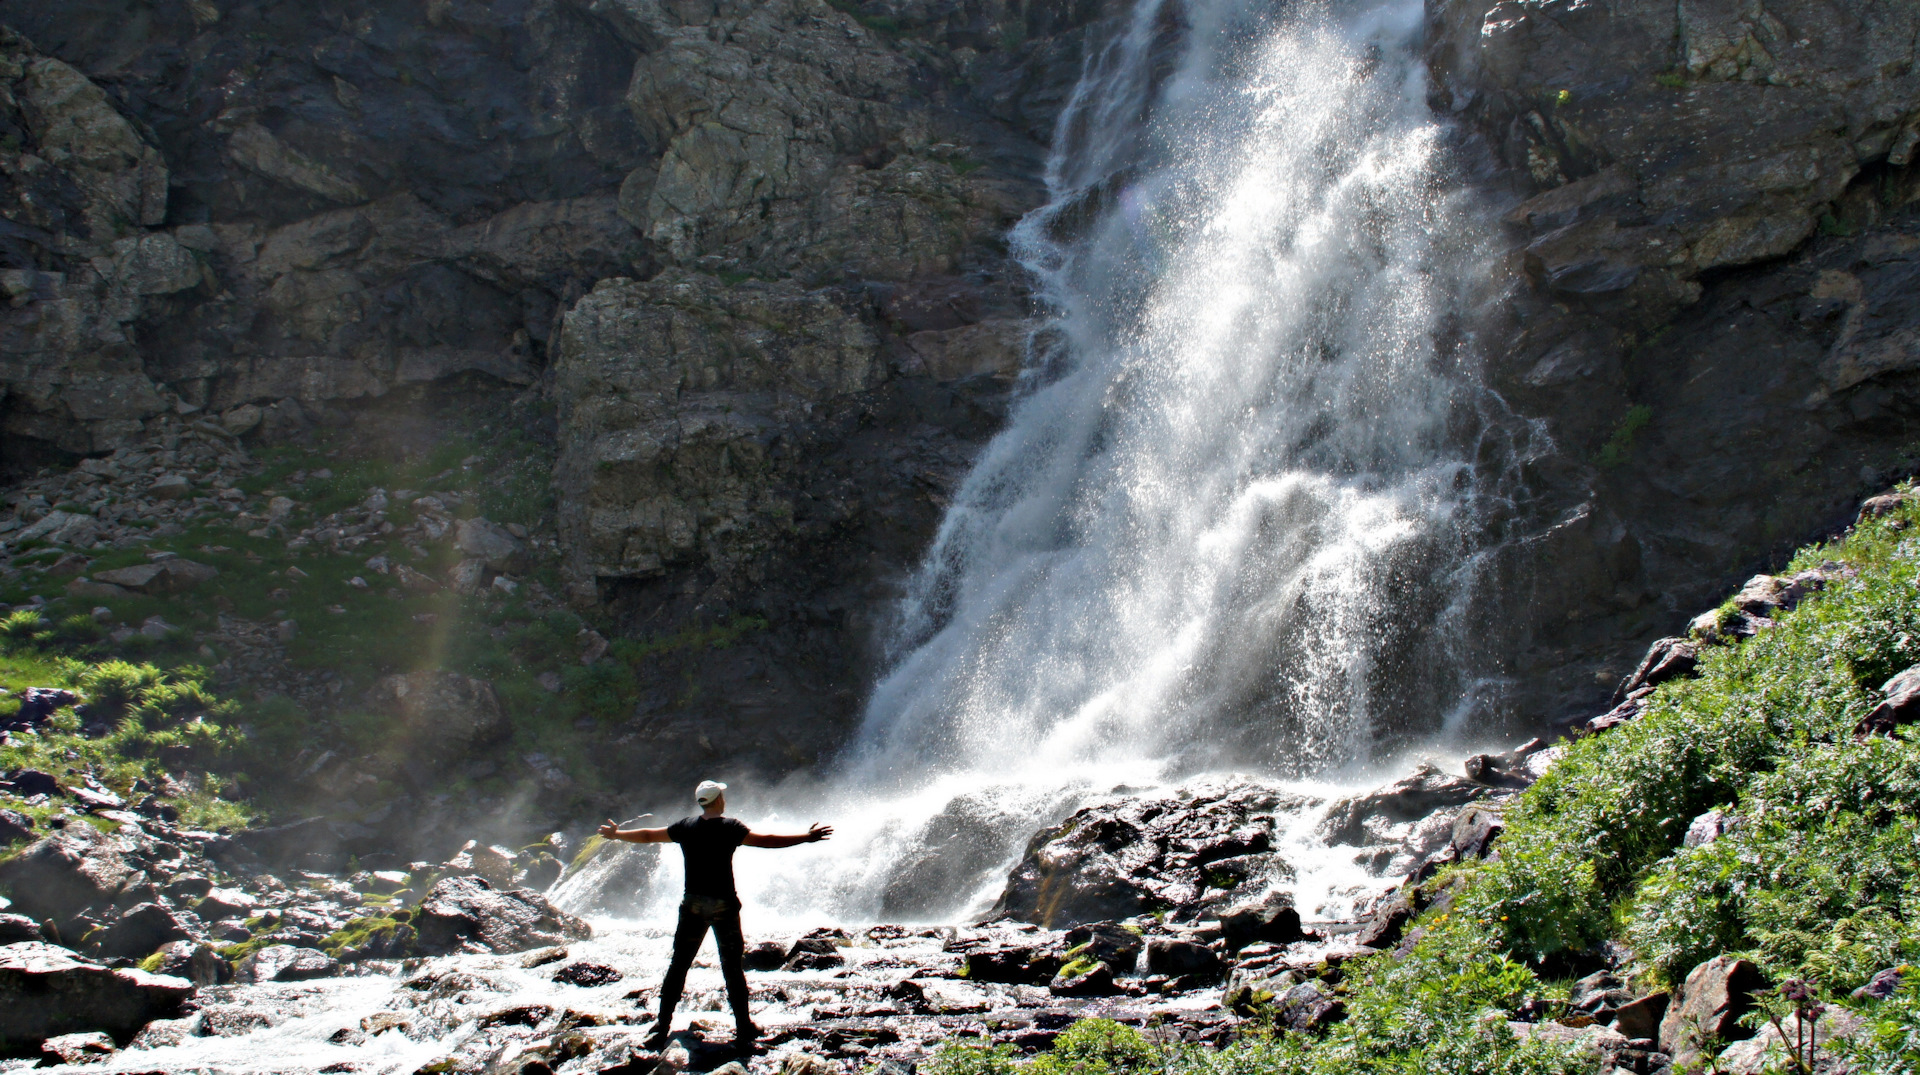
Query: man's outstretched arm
point(768, 839)
point(634, 836)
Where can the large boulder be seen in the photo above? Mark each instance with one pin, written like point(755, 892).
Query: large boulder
point(143, 928)
point(198, 963)
point(442, 715)
point(467, 911)
point(76, 868)
point(1708, 1007)
point(1901, 704)
point(47, 991)
point(1192, 851)
point(286, 963)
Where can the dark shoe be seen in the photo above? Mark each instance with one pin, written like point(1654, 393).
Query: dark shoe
point(658, 1040)
point(746, 1038)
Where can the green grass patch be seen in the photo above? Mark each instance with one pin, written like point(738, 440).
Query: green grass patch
point(358, 933)
point(1619, 446)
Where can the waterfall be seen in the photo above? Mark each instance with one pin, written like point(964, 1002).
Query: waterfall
point(1231, 524)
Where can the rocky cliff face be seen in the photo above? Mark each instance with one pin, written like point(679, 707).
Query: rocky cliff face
point(1710, 207)
point(750, 259)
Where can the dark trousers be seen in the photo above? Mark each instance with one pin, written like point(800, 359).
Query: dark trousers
point(697, 915)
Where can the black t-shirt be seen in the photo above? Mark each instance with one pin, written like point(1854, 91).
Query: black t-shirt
point(707, 843)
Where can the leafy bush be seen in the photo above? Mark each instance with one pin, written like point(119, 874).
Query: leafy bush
point(971, 1056)
point(1817, 876)
point(1099, 1047)
point(1889, 1044)
point(1814, 881)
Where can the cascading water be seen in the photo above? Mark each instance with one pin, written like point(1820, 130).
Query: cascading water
point(1230, 526)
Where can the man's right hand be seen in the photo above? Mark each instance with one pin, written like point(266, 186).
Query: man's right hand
point(610, 831)
point(818, 833)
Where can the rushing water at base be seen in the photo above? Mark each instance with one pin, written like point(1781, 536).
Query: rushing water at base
point(1230, 527)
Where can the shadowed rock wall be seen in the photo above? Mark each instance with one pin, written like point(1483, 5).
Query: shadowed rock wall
point(1712, 225)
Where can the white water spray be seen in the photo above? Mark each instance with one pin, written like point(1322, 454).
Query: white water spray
point(1229, 525)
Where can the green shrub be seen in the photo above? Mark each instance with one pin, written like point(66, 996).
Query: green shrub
point(1609, 816)
point(20, 628)
point(112, 687)
point(1889, 1043)
point(1817, 877)
point(970, 1056)
point(1099, 1047)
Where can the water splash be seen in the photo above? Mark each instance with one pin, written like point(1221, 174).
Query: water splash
point(1230, 527)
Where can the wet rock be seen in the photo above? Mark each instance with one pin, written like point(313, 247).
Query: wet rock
point(442, 715)
point(286, 963)
point(143, 928)
point(15, 928)
point(654, 475)
point(309, 842)
point(1110, 942)
point(1138, 856)
point(76, 868)
point(493, 864)
point(586, 974)
point(542, 869)
point(467, 910)
point(528, 1015)
point(231, 1022)
point(1013, 964)
point(1177, 958)
point(1407, 820)
point(1083, 980)
point(1273, 920)
point(46, 991)
point(92, 1047)
point(221, 903)
point(764, 956)
point(187, 888)
point(195, 962)
point(1474, 832)
point(1709, 1006)
point(1383, 927)
point(814, 953)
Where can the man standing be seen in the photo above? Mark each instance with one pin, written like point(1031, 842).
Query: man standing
point(707, 843)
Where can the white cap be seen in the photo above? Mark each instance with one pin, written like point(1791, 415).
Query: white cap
point(708, 791)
